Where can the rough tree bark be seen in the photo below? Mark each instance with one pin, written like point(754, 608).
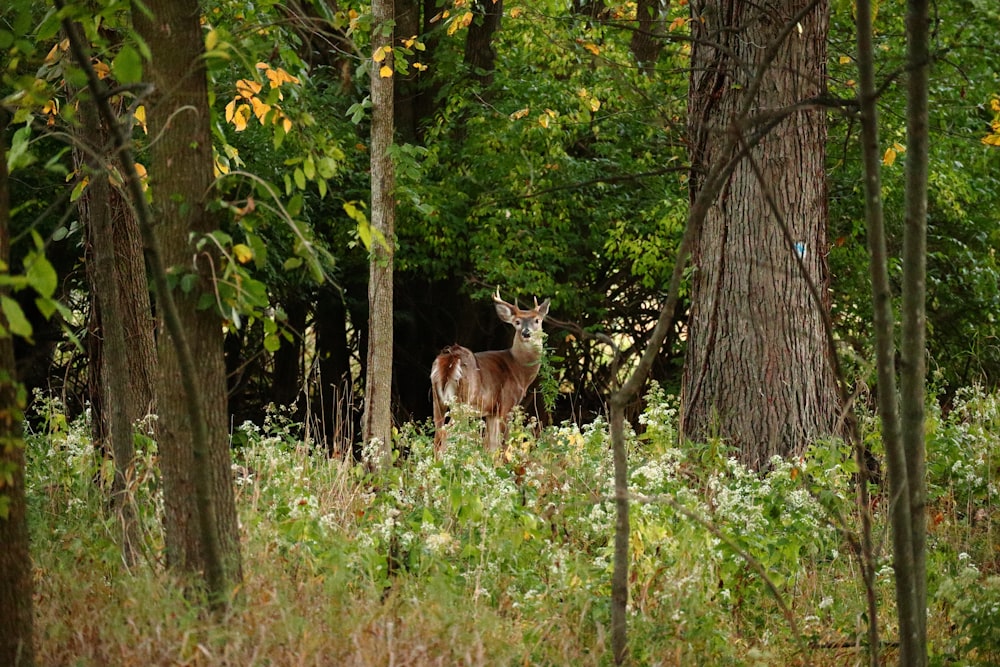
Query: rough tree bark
point(647, 41)
point(758, 370)
point(480, 55)
point(200, 515)
point(120, 349)
point(16, 616)
point(378, 380)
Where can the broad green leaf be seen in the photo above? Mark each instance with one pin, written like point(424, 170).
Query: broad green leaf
point(127, 65)
point(295, 205)
point(41, 274)
point(17, 323)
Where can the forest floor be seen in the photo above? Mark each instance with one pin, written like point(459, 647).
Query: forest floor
point(466, 560)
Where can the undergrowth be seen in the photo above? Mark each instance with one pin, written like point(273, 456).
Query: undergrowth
point(467, 560)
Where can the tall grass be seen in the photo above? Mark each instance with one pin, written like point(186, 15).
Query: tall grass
point(465, 560)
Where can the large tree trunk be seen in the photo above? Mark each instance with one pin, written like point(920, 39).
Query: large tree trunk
point(480, 55)
point(121, 349)
point(647, 41)
point(200, 516)
point(378, 380)
point(287, 374)
point(758, 371)
point(16, 617)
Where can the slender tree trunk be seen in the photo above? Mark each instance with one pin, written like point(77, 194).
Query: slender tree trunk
point(378, 380)
point(909, 610)
point(758, 371)
point(199, 510)
point(913, 368)
point(16, 616)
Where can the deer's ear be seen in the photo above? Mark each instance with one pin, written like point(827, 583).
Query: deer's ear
point(543, 309)
point(505, 311)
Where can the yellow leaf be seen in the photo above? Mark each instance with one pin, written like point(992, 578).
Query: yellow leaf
point(991, 140)
point(286, 124)
point(243, 253)
point(517, 11)
point(889, 157)
point(230, 110)
point(54, 52)
point(677, 23)
point(240, 117)
point(900, 148)
point(593, 48)
point(278, 76)
point(995, 104)
point(420, 67)
point(595, 104)
point(260, 109)
point(140, 117)
point(520, 113)
point(380, 53)
point(385, 72)
point(844, 60)
point(462, 21)
point(140, 171)
point(101, 69)
point(211, 39)
point(543, 120)
point(247, 88)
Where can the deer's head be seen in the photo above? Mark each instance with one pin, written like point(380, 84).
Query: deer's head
point(527, 323)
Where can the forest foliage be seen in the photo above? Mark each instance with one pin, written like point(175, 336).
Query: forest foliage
point(560, 172)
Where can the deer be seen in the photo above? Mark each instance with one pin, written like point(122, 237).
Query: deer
point(491, 382)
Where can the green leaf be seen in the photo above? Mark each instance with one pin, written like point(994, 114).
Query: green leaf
point(188, 281)
point(300, 179)
point(41, 274)
point(16, 321)
point(365, 232)
point(127, 65)
point(18, 155)
point(272, 342)
point(295, 205)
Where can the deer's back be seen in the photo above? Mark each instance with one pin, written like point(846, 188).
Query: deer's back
point(503, 380)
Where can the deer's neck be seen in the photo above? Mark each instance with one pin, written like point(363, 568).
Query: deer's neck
point(526, 352)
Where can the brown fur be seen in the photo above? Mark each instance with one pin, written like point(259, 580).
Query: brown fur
point(491, 382)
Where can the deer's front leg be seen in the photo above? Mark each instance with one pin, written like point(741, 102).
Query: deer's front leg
point(494, 433)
